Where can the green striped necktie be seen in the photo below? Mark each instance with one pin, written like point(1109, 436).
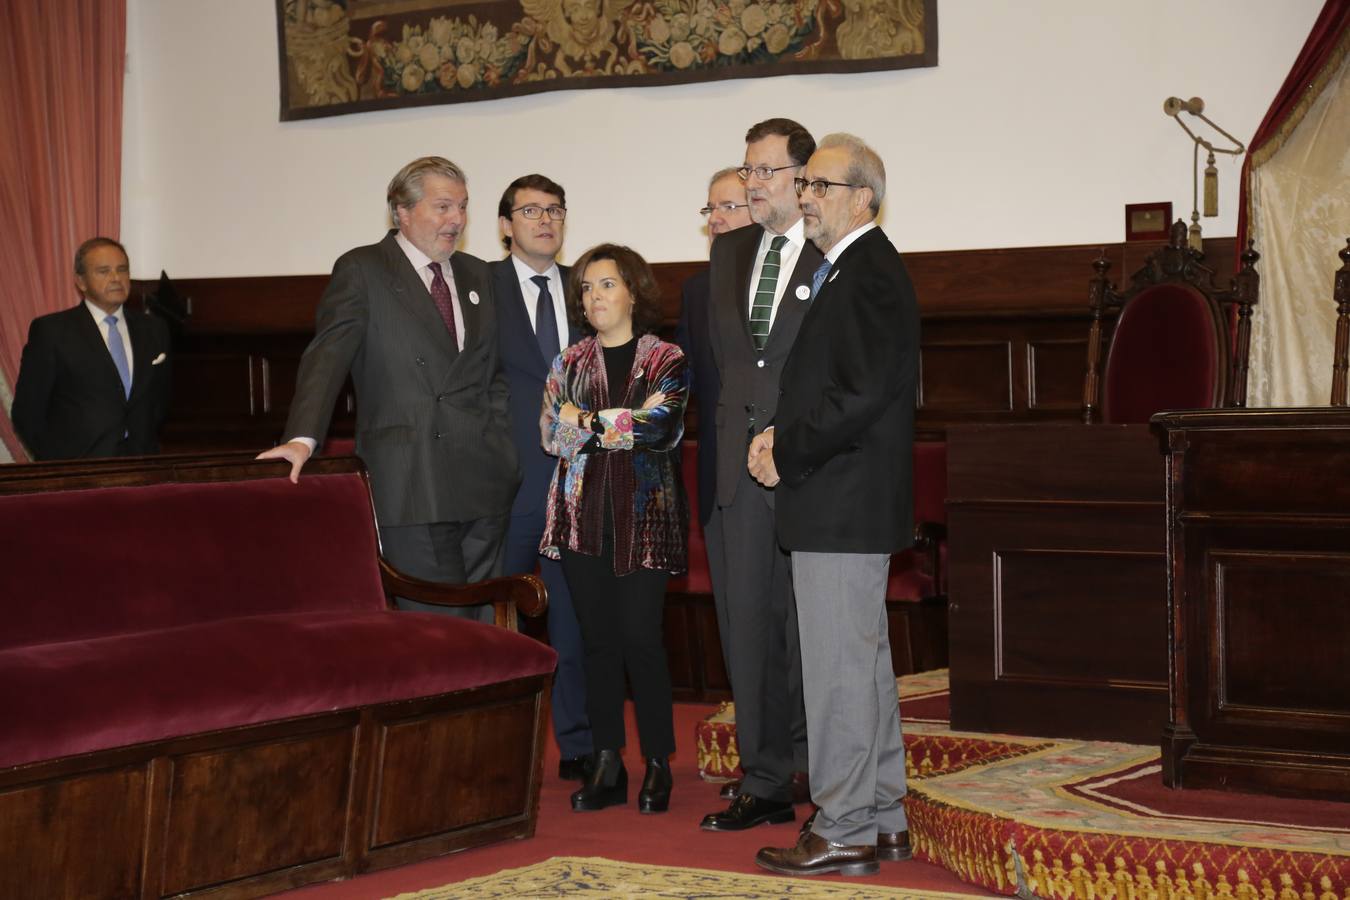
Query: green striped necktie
point(761, 311)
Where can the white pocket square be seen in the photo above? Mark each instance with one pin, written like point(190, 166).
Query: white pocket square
point(157, 360)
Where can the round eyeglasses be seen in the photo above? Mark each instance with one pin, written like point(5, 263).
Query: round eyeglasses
point(726, 208)
point(556, 213)
point(764, 173)
point(819, 186)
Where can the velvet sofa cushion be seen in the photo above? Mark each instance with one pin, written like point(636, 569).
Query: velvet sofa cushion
point(1165, 354)
point(79, 696)
point(89, 563)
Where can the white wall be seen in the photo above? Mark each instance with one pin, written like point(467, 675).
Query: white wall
point(1041, 121)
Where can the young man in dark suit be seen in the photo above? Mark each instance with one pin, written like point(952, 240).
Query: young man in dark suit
point(414, 323)
point(842, 444)
point(531, 293)
point(760, 277)
point(94, 379)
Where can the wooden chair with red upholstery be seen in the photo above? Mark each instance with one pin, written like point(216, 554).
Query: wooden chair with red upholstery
point(1175, 345)
point(1340, 361)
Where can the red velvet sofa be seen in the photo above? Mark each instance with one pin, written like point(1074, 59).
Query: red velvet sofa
point(203, 688)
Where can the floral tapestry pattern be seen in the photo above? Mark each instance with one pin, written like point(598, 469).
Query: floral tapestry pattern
point(345, 56)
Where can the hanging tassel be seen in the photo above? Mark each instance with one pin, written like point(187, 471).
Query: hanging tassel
point(1193, 238)
point(1211, 188)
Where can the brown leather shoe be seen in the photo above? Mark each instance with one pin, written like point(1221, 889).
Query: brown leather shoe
point(730, 791)
point(893, 846)
point(814, 855)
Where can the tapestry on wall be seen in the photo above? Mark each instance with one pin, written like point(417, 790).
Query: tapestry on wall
point(345, 56)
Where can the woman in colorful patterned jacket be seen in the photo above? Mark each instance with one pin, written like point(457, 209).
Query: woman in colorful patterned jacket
point(613, 415)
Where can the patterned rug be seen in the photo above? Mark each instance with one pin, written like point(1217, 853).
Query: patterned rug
point(1088, 820)
point(593, 877)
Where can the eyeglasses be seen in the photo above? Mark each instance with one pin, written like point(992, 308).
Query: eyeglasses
point(727, 208)
point(764, 173)
point(819, 186)
point(556, 213)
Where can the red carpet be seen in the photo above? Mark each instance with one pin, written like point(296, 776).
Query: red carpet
point(671, 839)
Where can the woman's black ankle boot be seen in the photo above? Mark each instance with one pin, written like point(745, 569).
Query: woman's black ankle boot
point(655, 794)
point(607, 786)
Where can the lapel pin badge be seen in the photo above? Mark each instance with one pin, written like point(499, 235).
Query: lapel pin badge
point(803, 292)
point(473, 297)
point(833, 276)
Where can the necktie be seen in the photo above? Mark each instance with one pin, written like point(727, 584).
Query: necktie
point(819, 278)
point(440, 292)
point(761, 310)
point(119, 354)
point(545, 320)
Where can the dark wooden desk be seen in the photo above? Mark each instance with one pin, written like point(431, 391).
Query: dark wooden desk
point(1056, 542)
point(1258, 546)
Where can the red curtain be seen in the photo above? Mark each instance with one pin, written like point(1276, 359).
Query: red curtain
point(1327, 33)
point(61, 64)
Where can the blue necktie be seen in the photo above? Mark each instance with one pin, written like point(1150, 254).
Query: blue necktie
point(119, 354)
point(819, 278)
point(545, 320)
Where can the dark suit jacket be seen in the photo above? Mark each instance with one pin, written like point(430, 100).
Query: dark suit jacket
point(69, 401)
point(694, 338)
point(845, 429)
point(431, 420)
point(750, 377)
point(525, 370)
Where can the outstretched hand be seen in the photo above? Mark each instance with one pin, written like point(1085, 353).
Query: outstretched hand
point(296, 453)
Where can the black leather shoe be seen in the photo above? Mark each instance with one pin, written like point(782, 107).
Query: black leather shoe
point(607, 786)
point(576, 768)
point(893, 846)
point(655, 794)
point(730, 791)
point(747, 811)
point(814, 855)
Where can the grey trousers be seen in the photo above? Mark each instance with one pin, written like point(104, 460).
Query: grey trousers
point(852, 710)
point(450, 552)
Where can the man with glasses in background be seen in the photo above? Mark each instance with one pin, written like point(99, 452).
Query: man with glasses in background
point(842, 445)
point(727, 209)
point(760, 290)
point(531, 292)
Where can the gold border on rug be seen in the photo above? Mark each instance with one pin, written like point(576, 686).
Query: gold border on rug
point(348, 56)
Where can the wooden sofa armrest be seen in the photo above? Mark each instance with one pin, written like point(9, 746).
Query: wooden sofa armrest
point(929, 538)
point(523, 593)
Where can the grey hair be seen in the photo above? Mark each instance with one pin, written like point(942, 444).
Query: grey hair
point(864, 165)
point(723, 173)
point(405, 189)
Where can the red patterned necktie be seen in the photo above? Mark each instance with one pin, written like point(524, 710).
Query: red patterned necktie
point(440, 292)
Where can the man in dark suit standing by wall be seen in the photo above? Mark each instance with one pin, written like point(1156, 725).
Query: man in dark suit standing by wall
point(94, 379)
point(530, 289)
point(842, 445)
point(726, 210)
point(760, 284)
point(414, 324)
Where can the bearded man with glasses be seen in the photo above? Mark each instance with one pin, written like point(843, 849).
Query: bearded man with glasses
point(760, 290)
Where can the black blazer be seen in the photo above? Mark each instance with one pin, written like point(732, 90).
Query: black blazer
point(525, 370)
point(750, 377)
point(431, 422)
point(69, 401)
point(692, 334)
point(845, 429)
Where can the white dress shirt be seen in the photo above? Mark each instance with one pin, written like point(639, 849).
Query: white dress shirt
point(121, 316)
point(842, 244)
point(796, 238)
point(530, 292)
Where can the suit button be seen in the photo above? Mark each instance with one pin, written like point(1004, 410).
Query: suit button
point(440, 397)
point(749, 407)
point(420, 361)
point(759, 363)
point(436, 435)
